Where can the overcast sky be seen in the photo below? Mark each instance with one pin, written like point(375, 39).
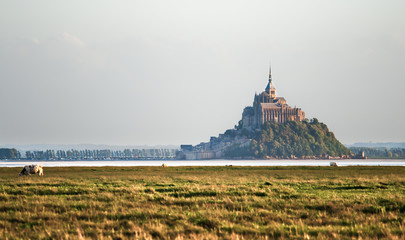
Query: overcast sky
point(178, 72)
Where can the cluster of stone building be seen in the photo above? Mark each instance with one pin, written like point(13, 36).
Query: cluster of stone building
point(213, 149)
point(266, 107)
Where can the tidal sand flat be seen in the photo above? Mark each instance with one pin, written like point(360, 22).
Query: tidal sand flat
point(203, 203)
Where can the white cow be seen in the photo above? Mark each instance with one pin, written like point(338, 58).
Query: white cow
point(32, 169)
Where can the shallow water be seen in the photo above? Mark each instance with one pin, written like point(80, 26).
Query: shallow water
point(216, 162)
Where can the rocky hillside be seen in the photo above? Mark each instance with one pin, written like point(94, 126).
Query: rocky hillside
point(290, 140)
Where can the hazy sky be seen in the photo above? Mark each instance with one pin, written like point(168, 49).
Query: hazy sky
point(173, 72)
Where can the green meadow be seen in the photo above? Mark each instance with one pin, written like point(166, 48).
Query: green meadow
point(203, 203)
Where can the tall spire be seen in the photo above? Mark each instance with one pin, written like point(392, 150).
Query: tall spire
point(270, 84)
point(270, 75)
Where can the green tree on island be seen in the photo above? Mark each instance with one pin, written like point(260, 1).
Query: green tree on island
point(290, 139)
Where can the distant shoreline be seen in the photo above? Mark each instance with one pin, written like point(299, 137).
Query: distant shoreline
point(196, 160)
point(208, 163)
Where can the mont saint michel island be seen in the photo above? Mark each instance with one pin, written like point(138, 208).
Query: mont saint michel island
point(270, 128)
point(212, 120)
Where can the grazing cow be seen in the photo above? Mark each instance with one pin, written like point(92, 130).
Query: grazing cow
point(333, 164)
point(32, 169)
point(164, 165)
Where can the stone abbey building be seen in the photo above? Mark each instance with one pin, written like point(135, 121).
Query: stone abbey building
point(267, 107)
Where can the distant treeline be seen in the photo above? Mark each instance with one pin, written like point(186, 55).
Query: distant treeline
point(380, 152)
point(8, 153)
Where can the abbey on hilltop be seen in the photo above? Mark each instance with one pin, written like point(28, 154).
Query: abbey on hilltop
point(267, 107)
point(270, 129)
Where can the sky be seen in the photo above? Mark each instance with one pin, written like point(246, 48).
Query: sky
point(177, 72)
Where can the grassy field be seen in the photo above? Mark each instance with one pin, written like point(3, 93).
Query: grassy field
point(204, 203)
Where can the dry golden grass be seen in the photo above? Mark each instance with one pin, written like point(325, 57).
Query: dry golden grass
point(203, 203)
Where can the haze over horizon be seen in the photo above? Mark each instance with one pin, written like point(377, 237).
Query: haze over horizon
point(178, 72)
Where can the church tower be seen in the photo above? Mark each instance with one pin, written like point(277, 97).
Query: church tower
point(269, 108)
point(270, 87)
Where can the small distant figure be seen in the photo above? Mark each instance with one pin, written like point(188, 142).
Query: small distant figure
point(32, 169)
point(164, 165)
point(333, 164)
